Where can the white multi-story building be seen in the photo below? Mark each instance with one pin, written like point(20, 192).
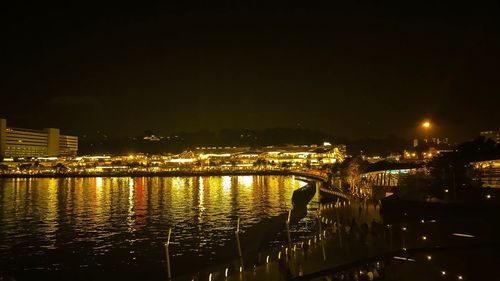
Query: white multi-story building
point(19, 142)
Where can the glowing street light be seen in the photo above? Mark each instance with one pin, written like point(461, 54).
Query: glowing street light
point(426, 125)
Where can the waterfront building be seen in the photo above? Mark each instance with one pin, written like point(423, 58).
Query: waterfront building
point(305, 154)
point(217, 155)
point(275, 155)
point(493, 135)
point(20, 142)
point(431, 142)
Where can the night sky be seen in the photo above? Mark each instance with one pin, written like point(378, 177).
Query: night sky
point(355, 70)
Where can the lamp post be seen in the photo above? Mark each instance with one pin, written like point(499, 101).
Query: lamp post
point(426, 125)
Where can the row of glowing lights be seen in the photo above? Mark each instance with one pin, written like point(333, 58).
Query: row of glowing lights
point(268, 257)
point(443, 272)
point(424, 237)
point(338, 204)
point(487, 196)
point(203, 156)
point(413, 154)
point(429, 257)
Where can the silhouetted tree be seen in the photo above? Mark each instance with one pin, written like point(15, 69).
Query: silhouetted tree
point(353, 171)
point(421, 148)
point(25, 167)
point(59, 167)
point(3, 168)
point(453, 169)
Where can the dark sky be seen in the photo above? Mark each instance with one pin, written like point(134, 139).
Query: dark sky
point(363, 69)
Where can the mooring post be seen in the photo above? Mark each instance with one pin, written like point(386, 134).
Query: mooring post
point(321, 240)
point(339, 227)
point(169, 273)
point(288, 227)
point(391, 245)
point(239, 244)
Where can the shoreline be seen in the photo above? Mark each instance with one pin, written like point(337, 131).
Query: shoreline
point(169, 174)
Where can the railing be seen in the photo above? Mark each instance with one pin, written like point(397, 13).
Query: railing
point(335, 192)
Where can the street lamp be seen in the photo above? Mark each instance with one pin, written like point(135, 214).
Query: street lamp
point(426, 125)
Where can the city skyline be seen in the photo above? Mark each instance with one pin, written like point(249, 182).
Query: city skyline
point(354, 71)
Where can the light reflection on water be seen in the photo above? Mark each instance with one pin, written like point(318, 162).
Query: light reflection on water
point(114, 222)
point(490, 177)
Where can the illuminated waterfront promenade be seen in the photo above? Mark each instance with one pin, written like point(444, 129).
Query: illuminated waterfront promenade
point(309, 173)
point(129, 167)
point(199, 160)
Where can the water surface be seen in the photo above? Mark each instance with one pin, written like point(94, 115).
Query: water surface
point(92, 225)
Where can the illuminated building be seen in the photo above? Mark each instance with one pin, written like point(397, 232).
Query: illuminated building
point(293, 154)
point(152, 137)
point(493, 135)
point(431, 141)
point(18, 142)
point(218, 154)
point(306, 154)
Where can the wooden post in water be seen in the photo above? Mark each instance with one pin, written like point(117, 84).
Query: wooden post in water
point(240, 255)
point(288, 227)
point(169, 273)
point(321, 240)
point(390, 237)
point(339, 227)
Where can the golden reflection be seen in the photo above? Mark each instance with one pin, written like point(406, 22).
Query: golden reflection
point(201, 199)
point(199, 208)
point(140, 194)
point(177, 182)
point(99, 197)
point(98, 182)
point(50, 219)
point(130, 217)
point(246, 181)
point(226, 183)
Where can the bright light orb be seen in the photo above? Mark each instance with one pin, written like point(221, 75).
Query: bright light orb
point(426, 124)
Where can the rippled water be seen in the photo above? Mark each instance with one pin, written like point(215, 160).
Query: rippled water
point(490, 177)
point(95, 225)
